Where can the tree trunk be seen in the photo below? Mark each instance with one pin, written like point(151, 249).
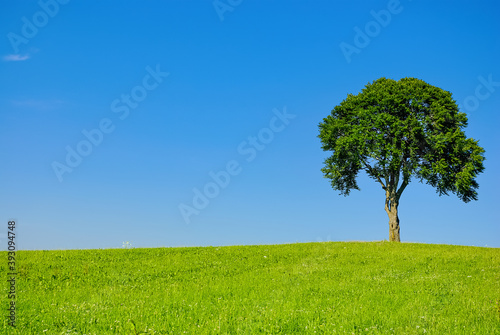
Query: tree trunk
point(391, 207)
point(394, 224)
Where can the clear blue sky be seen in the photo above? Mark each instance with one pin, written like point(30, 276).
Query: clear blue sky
point(81, 66)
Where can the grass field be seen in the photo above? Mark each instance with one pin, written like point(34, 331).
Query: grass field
point(310, 288)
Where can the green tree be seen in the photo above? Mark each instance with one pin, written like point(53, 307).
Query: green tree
point(396, 131)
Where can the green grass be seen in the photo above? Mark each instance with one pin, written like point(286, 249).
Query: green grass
point(311, 288)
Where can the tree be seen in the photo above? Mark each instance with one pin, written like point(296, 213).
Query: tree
point(396, 131)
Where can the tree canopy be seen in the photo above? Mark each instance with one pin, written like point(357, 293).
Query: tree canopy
point(396, 131)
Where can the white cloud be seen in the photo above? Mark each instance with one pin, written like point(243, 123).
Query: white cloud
point(15, 58)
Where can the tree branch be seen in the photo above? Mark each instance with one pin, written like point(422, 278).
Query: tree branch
point(406, 180)
point(370, 170)
point(396, 179)
point(387, 202)
point(405, 183)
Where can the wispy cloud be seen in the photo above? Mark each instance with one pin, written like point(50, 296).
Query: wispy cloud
point(16, 58)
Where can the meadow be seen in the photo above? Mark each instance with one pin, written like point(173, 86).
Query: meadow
point(302, 288)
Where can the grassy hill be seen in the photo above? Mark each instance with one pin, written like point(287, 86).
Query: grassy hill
point(311, 288)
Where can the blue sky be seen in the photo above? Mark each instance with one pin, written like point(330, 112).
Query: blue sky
point(175, 92)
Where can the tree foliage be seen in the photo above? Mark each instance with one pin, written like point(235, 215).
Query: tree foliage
point(399, 130)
